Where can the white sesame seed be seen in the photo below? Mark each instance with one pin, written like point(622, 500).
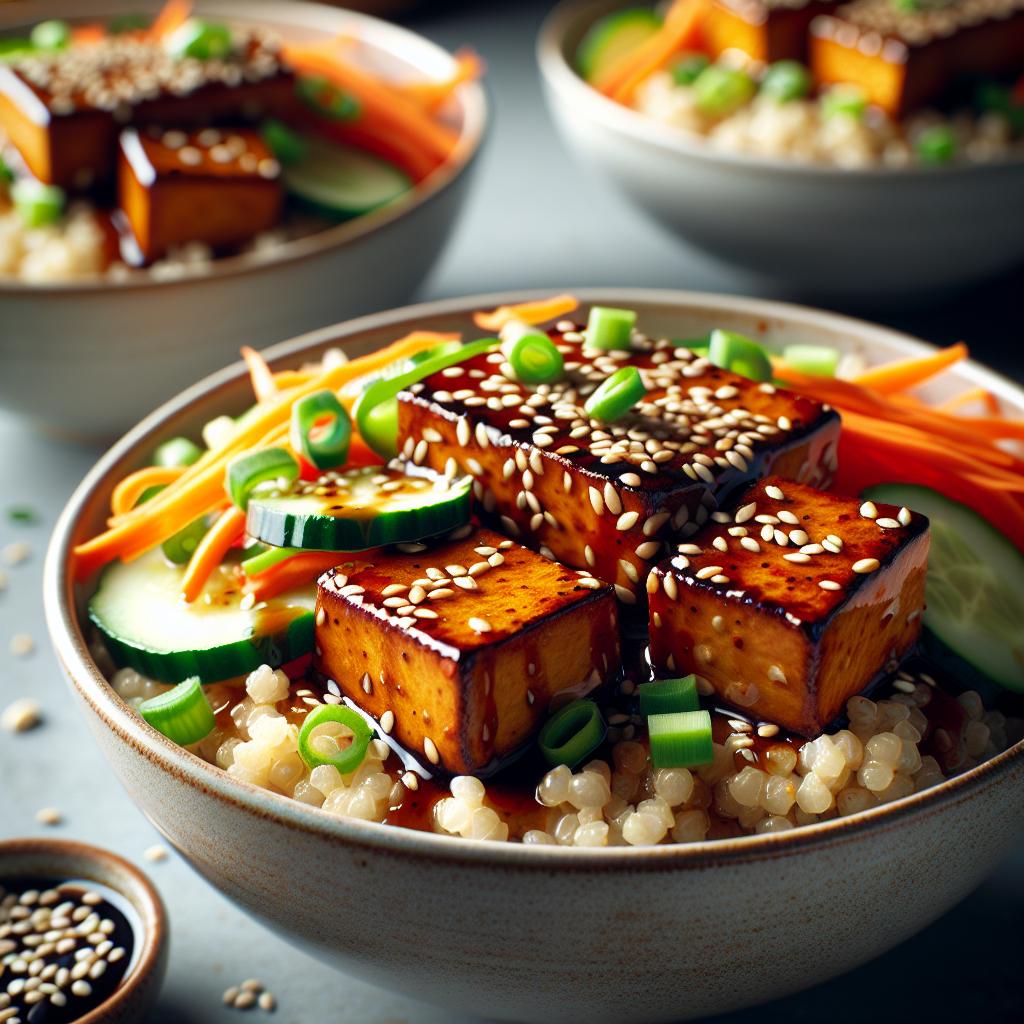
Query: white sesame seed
point(21, 715)
point(627, 521)
point(866, 565)
point(746, 512)
point(387, 721)
point(904, 516)
point(829, 585)
point(48, 816)
point(708, 571)
point(156, 853)
point(16, 553)
point(797, 556)
point(430, 749)
point(869, 510)
point(774, 492)
point(887, 523)
point(750, 544)
point(479, 625)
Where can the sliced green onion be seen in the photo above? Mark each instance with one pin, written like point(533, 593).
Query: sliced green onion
point(936, 144)
point(6, 174)
point(818, 360)
point(13, 47)
point(246, 472)
point(127, 23)
point(36, 203)
point(180, 548)
point(665, 696)
point(287, 145)
point(610, 328)
point(177, 451)
point(321, 430)
point(264, 558)
point(200, 39)
point(51, 35)
point(687, 69)
point(534, 358)
point(327, 99)
point(844, 101)
point(571, 733)
point(786, 80)
point(616, 396)
point(345, 760)
point(182, 714)
point(376, 409)
point(23, 514)
point(719, 90)
point(681, 739)
point(738, 354)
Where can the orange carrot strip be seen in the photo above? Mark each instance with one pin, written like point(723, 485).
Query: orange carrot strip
point(264, 385)
point(201, 487)
point(982, 395)
point(127, 493)
point(537, 311)
point(380, 102)
point(210, 552)
point(172, 15)
point(84, 35)
point(293, 572)
point(679, 30)
point(285, 379)
point(431, 96)
point(908, 373)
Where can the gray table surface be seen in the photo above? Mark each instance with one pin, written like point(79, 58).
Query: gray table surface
point(535, 219)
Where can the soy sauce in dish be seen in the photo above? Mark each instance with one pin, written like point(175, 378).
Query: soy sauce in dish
point(65, 948)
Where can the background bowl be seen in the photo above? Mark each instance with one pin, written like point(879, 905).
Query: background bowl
point(89, 359)
point(63, 860)
point(548, 934)
point(874, 235)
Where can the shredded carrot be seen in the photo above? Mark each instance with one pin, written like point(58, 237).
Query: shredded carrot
point(679, 30)
point(172, 15)
point(293, 572)
point(431, 96)
point(970, 396)
point(534, 312)
point(127, 493)
point(285, 379)
point(381, 103)
point(210, 552)
point(84, 35)
point(201, 487)
point(264, 385)
point(905, 374)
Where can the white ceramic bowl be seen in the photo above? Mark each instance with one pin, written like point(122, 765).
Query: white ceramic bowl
point(548, 933)
point(89, 359)
point(875, 235)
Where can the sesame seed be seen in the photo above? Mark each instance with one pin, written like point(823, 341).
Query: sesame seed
point(156, 853)
point(430, 749)
point(479, 625)
point(774, 492)
point(829, 585)
point(887, 523)
point(48, 816)
point(746, 512)
point(627, 521)
point(387, 721)
point(630, 480)
point(797, 556)
point(750, 544)
point(411, 781)
point(866, 565)
point(708, 571)
point(904, 516)
point(767, 730)
point(869, 510)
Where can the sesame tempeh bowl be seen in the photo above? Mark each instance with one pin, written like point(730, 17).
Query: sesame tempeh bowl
point(764, 164)
point(201, 201)
point(472, 924)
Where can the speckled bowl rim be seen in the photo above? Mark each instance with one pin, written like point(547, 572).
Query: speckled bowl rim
point(579, 96)
point(154, 936)
point(72, 649)
point(381, 35)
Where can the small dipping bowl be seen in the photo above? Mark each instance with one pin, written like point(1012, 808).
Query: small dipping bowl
point(53, 863)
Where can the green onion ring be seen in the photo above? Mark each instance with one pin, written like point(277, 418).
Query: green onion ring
point(664, 696)
point(183, 714)
point(818, 360)
point(571, 733)
point(321, 430)
point(180, 547)
point(616, 396)
point(177, 451)
point(610, 328)
point(738, 354)
point(681, 739)
point(347, 760)
point(534, 358)
point(246, 472)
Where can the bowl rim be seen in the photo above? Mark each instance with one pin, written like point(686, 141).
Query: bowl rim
point(73, 653)
point(106, 863)
point(563, 80)
point(378, 34)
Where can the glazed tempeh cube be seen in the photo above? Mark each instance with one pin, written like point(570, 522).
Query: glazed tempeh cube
point(213, 186)
point(766, 30)
point(458, 649)
point(62, 110)
point(793, 603)
point(906, 59)
point(605, 496)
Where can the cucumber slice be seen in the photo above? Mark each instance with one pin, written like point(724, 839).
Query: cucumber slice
point(361, 508)
point(146, 625)
point(341, 181)
point(612, 36)
point(975, 587)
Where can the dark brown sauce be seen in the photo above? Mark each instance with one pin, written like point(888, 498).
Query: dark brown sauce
point(121, 935)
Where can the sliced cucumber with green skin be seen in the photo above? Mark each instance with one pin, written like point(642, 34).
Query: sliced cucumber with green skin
point(341, 181)
point(361, 508)
point(612, 36)
point(975, 589)
point(147, 627)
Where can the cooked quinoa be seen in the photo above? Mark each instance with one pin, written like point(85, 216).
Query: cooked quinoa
point(753, 786)
point(800, 130)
